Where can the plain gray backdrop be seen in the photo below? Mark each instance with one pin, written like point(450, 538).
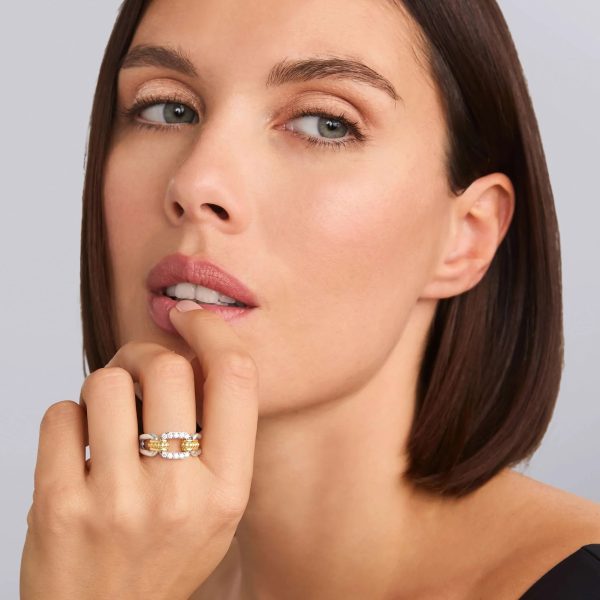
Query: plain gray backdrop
point(50, 55)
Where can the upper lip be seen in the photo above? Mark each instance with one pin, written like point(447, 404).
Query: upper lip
point(178, 268)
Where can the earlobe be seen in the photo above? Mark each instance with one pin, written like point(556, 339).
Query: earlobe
point(480, 220)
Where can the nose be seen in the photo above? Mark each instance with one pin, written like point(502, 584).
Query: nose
point(208, 188)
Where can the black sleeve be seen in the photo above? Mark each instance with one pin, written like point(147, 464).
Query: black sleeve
point(577, 577)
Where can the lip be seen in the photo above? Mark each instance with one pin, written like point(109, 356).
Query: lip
point(177, 268)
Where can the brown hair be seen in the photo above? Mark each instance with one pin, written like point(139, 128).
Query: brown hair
point(491, 371)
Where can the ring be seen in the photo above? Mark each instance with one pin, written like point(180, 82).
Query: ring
point(152, 444)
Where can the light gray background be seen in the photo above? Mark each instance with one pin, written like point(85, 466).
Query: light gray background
point(50, 53)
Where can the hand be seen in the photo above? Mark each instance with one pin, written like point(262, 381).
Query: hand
point(133, 526)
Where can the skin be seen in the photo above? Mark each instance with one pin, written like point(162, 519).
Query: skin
point(348, 253)
point(323, 238)
point(122, 525)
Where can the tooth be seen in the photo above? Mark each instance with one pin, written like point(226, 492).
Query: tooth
point(223, 298)
point(185, 291)
point(190, 291)
point(206, 295)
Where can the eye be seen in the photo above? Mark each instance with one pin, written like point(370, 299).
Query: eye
point(320, 125)
point(168, 113)
point(316, 127)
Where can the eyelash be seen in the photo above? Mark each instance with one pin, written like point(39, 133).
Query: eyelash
point(353, 127)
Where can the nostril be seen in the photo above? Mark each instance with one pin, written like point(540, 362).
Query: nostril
point(179, 209)
point(219, 210)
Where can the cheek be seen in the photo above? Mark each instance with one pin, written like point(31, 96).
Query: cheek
point(359, 252)
point(133, 230)
point(367, 235)
point(122, 209)
point(130, 182)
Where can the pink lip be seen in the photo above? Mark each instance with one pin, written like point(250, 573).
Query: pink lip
point(177, 268)
point(159, 307)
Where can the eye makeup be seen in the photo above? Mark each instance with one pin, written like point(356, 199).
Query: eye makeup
point(166, 88)
point(163, 91)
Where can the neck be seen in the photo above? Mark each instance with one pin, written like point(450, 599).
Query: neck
point(329, 515)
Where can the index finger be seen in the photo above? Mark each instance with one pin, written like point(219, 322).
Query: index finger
point(230, 410)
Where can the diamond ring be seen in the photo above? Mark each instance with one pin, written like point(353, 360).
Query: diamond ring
point(152, 444)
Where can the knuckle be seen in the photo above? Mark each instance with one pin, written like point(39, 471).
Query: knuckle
point(121, 514)
point(61, 413)
point(170, 365)
point(118, 356)
point(106, 378)
point(129, 347)
point(56, 512)
point(239, 365)
point(174, 512)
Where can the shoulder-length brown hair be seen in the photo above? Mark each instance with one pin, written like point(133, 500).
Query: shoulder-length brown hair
point(491, 371)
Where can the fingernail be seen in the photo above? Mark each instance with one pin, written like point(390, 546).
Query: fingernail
point(185, 305)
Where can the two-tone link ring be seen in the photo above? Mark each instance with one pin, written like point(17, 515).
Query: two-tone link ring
point(152, 444)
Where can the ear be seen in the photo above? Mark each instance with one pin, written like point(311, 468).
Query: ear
point(479, 221)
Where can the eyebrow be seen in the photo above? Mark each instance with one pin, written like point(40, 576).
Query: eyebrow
point(159, 56)
point(285, 71)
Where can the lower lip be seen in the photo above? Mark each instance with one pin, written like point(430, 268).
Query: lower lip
point(159, 307)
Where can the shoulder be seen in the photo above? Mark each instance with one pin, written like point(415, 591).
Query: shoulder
point(560, 507)
point(547, 526)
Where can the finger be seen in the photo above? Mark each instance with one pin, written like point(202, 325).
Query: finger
point(230, 394)
point(199, 389)
point(109, 399)
point(61, 449)
point(86, 441)
point(166, 382)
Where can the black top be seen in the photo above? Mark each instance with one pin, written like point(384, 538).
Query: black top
point(577, 577)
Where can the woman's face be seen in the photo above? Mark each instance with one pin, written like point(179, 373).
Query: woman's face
point(336, 240)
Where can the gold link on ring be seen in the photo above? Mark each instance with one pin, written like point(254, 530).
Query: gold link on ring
point(158, 445)
point(189, 445)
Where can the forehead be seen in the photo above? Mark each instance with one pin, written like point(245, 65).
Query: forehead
point(244, 38)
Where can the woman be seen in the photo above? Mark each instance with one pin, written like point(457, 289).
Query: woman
point(358, 192)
